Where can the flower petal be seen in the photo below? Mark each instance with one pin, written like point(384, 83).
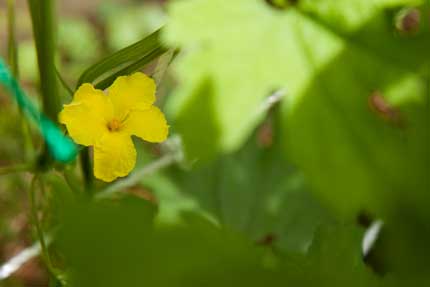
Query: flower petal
point(114, 156)
point(148, 124)
point(128, 92)
point(87, 115)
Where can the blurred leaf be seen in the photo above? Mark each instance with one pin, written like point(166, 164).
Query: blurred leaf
point(115, 245)
point(256, 191)
point(229, 65)
point(333, 57)
point(401, 251)
point(362, 145)
point(199, 254)
point(102, 242)
point(334, 259)
point(171, 201)
point(348, 16)
point(123, 62)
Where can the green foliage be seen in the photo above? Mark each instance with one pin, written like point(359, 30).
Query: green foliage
point(127, 60)
point(118, 241)
point(333, 57)
point(334, 259)
point(358, 160)
point(258, 193)
point(232, 79)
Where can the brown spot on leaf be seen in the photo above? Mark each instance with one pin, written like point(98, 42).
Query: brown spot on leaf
point(383, 109)
point(265, 135)
point(267, 240)
point(408, 21)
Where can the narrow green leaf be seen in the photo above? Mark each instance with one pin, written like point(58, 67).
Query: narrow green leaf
point(128, 60)
point(103, 84)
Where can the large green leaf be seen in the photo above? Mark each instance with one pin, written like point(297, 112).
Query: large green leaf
point(106, 244)
point(101, 242)
point(334, 57)
point(227, 68)
point(357, 156)
point(244, 51)
point(117, 245)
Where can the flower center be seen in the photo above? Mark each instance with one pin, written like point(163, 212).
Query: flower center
point(114, 125)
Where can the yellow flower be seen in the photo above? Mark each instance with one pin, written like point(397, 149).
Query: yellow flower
point(107, 122)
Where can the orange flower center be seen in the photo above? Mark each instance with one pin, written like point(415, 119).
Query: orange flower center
point(114, 125)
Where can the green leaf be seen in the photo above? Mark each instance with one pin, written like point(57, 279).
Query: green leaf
point(333, 57)
point(334, 259)
point(349, 16)
point(172, 202)
point(257, 192)
point(116, 245)
point(124, 61)
point(357, 156)
point(228, 67)
point(102, 242)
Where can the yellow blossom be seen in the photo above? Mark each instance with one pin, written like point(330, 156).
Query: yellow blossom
point(107, 122)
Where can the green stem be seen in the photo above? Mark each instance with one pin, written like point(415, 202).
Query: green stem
point(45, 45)
point(55, 273)
point(37, 225)
point(12, 43)
point(44, 36)
point(13, 63)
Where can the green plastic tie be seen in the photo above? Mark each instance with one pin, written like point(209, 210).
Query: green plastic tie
point(61, 147)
